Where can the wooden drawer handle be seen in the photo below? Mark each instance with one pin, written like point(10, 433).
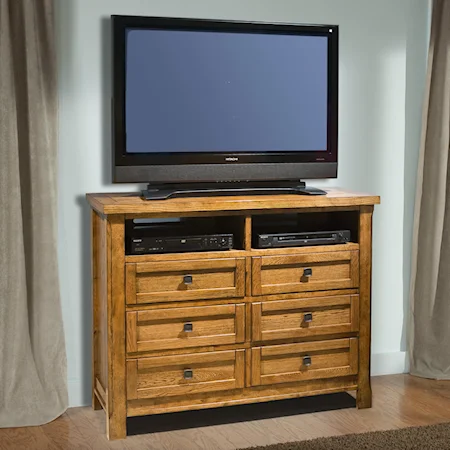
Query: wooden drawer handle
point(308, 318)
point(188, 374)
point(307, 272)
point(188, 327)
point(307, 361)
point(187, 279)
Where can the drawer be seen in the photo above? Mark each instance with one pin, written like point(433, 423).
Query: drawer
point(305, 361)
point(185, 327)
point(305, 272)
point(185, 280)
point(304, 317)
point(185, 374)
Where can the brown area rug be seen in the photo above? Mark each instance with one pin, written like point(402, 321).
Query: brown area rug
point(433, 437)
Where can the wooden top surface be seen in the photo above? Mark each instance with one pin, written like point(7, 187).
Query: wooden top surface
point(131, 203)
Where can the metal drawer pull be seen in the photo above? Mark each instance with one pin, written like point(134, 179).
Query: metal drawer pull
point(307, 361)
point(308, 317)
point(307, 272)
point(188, 374)
point(188, 327)
point(187, 279)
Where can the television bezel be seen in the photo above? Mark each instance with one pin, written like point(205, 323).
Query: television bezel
point(225, 166)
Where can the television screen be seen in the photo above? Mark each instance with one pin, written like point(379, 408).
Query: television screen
point(190, 91)
point(200, 101)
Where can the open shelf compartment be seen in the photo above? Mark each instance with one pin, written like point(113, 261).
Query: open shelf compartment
point(218, 228)
point(306, 222)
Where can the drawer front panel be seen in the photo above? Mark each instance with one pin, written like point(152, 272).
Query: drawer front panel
point(305, 272)
point(185, 374)
point(185, 280)
point(305, 361)
point(163, 329)
point(304, 317)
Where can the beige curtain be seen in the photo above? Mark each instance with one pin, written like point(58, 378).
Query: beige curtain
point(33, 382)
point(430, 290)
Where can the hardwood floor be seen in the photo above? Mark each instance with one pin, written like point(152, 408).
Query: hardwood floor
point(399, 401)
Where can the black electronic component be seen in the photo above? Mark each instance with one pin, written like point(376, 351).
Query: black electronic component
point(301, 239)
point(153, 238)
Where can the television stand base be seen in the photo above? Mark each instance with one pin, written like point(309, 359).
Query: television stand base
point(166, 191)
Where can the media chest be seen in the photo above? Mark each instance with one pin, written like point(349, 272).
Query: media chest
point(186, 331)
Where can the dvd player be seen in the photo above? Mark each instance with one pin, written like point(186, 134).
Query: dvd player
point(301, 239)
point(179, 244)
point(181, 237)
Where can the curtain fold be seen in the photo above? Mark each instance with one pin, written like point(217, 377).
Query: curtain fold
point(430, 288)
point(33, 380)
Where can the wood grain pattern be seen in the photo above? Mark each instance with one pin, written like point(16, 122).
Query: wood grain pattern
point(248, 323)
point(132, 370)
point(105, 292)
point(130, 283)
point(256, 276)
point(100, 289)
point(131, 203)
point(165, 376)
point(354, 355)
point(117, 406)
point(225, 254)
point(164, 281)
point(399, 401)
point(95, 241)
point(286, 319)
point(190, 350)
point(248, 277)
point(256, 322)
point(364, 397)
point(355, 314)
point(185, 266)
point(248, 233)
point(240, 277)
point(235, 253)
point(247, 299)
point(132, 332)
point(285, 273)
point(305, 347)
point(240, 396)
point(100, 394)
point(349, 246)
point(285, 363)
point(248, 367)
point(256, 366)
point(239, 369)
point(164, 329)
point(239, 323)
point(240, 301)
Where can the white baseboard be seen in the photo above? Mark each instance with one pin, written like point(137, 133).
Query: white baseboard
point(382, 364)
point(389, 363)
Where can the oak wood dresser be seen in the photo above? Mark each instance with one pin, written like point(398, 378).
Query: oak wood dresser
point(251, 325)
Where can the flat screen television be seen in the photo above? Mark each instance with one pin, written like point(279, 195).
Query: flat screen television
point(203, 101)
